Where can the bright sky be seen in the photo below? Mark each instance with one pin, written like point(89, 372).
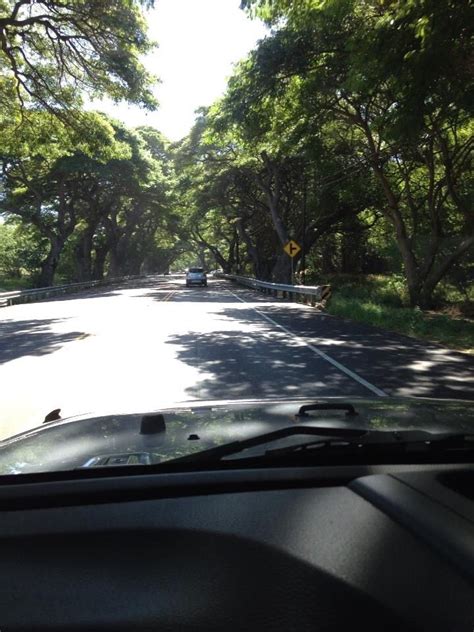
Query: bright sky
point(199, 41)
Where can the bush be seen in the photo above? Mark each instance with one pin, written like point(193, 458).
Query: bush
point(380, 301)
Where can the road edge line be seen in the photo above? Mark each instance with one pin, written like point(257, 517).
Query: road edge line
point(355, 376)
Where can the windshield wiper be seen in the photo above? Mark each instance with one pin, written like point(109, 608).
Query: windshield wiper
point(228, 449)
point(237, 446)
point(408, 441)
point(340, 441)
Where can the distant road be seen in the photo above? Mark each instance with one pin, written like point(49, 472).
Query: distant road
point(154, 342)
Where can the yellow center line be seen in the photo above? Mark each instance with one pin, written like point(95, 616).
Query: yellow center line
point(168, 296)
point(83, 336)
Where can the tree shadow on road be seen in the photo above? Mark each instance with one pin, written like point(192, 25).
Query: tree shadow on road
point(20, 338)
point(241, 365)
point(269, 362)
point(398, 364)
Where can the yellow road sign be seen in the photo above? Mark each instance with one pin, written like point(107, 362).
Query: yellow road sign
point(292, 248)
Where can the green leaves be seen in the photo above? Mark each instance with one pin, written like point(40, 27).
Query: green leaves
point(371, 100)
point(21, 250)
point(97, 187)
point(53, 53)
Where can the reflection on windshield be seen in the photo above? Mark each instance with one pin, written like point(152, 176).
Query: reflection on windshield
point(71, 444)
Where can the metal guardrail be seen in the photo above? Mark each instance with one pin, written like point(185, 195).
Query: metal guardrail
point(27, 296)
point(310, 293)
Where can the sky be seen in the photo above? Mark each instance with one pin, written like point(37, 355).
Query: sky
point(199, 41)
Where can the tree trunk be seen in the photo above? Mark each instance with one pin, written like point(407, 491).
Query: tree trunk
point(327, 248)
point(233, 250)
point(133, 267)
point(83, 261)
point(281, 272)
point(352, 248)
point(393, 213)
point(118, 257)
point(430, 281)
point(114, 262)
point(251, 249)
point(98, 267)
point(50, 264)
point(273, 197)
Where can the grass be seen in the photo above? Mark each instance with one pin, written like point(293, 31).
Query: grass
point(26, 282)
point(379, 300)
point(10, 285)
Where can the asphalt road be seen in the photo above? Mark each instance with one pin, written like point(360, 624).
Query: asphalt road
point(152, 343)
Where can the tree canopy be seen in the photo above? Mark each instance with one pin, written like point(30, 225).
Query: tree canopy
point(53, 51)
point(348, 128)
point(358, 111)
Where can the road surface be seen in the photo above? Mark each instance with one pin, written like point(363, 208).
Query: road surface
point(154, 342)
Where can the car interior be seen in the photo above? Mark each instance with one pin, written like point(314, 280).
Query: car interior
point(377, 547)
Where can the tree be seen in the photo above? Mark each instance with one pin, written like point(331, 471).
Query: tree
point(101, 199)
point(21, 251)
point(367, 67)
point(274, 175)
point(137, 199)
point(46, 174)
point(54, 50)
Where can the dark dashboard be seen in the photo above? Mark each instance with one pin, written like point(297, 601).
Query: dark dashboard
point(322, 548)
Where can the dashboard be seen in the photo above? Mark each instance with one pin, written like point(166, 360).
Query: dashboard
point(320, 548)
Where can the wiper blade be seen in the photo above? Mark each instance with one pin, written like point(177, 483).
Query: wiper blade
point(410, 441)
point(340, 441)
point(235, 447)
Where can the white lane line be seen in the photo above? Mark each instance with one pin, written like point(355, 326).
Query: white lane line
point(321, 354)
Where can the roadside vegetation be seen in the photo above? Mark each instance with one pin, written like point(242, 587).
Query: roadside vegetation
point(380, 300)
point(348, 128)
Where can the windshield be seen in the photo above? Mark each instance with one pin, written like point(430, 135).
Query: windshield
point(239, 211)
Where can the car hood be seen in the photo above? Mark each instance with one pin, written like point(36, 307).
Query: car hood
point(114, 439)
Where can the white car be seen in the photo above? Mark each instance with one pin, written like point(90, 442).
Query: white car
point(196, 276)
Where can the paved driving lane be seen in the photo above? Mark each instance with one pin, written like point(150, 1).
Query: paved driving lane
point(139, 348)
